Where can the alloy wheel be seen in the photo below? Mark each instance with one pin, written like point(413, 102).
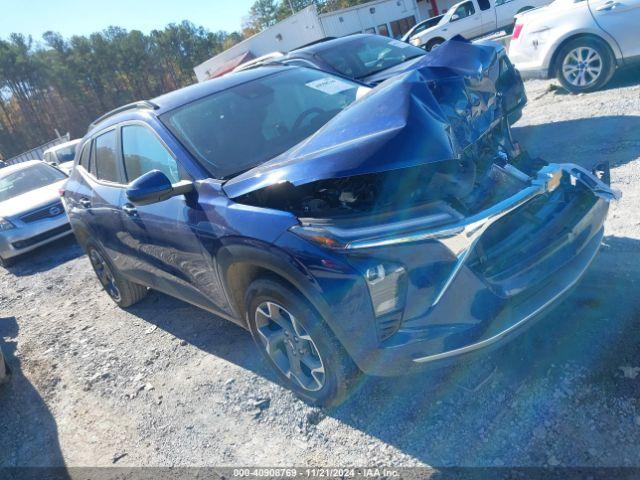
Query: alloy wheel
point(289, 346)
point(582, 66)
point(105, 275)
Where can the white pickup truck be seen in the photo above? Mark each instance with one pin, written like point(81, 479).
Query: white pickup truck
point(474, 18)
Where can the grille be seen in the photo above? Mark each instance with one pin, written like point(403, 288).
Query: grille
point(541, 231)
point(40, 238)
point(48, 211)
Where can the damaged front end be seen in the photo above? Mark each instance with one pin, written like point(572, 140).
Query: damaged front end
point(459, 235)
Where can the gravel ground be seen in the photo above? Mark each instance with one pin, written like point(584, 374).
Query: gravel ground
point(166, 384)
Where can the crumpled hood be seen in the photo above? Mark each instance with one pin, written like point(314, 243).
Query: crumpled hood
point(31, 200)
point(424, 115)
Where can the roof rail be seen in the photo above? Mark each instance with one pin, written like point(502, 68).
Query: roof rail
point(146, 104)
point(315, 42)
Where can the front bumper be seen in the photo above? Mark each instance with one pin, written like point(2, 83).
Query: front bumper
point(479, 281)
point(29, 236)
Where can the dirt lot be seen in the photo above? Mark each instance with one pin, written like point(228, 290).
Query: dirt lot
point(167, 384)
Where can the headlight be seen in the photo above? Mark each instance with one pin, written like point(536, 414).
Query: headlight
point(415, 42)
point(5, 224)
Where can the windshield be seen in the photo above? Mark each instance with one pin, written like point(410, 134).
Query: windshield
point(66, 154)
point(28, 179)
point(365, 56)
point(239, 128)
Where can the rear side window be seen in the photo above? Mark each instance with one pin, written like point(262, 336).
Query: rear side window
point(143, 152)
point(85, 155)
point(484, 4)
point(106, 158)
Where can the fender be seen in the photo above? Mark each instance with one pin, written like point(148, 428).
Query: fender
point(256, 255)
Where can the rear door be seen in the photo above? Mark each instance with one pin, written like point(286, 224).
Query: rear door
point(487, 16)
point(506, 10)
point(173, 247)
point(106, 181)
point(78, 191)
point(620, 19)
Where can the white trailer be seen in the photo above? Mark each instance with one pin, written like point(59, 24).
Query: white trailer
point(385, 17)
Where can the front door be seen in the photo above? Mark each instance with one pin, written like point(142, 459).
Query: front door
point(466, 20)
point(175, 257)
point(620, 19)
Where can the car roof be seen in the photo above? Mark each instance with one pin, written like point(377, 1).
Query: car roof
point(60, 146)
point(177, 98)
point(16, 167)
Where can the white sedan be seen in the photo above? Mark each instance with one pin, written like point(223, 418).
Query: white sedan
point(582, 42)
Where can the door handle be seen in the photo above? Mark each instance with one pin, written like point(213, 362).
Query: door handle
point(610, 5)
point(85, 203)
point(129, 210)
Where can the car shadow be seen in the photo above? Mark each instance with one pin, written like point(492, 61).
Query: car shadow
point(623, 77)
point(612, 138)
point(507, 408)
point(514, 407)
point(28, 431)
point(47, 257)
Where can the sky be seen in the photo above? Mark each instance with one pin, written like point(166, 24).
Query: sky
point(78, 17)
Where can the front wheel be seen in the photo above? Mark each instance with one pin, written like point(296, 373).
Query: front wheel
point(7, 262)
point(584, 65)
point(433, 44)
point(298, 345)
point(121, 290)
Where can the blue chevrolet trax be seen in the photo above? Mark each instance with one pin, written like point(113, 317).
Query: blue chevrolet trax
point(350, 229)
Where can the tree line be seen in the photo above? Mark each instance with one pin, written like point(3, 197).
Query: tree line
point(63, 84)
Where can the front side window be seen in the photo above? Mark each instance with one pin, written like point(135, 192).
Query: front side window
point(362, 57)
point(463, 11)
point(244, 126)
point(28, 179)
point(143, 152)
point(106, 158)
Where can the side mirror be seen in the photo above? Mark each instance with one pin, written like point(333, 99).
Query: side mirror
point(154, 187)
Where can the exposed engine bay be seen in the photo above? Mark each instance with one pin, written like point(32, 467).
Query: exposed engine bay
point(488, 171)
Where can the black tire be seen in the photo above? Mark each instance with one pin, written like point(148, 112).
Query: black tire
point(122, 291)
point(433, 43)
point(340, 372)
point(7, 262)
point(604, 59)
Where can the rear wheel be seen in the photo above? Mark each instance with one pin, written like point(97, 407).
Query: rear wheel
point(298, 345)
point(584, 65)
point(121, 290)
